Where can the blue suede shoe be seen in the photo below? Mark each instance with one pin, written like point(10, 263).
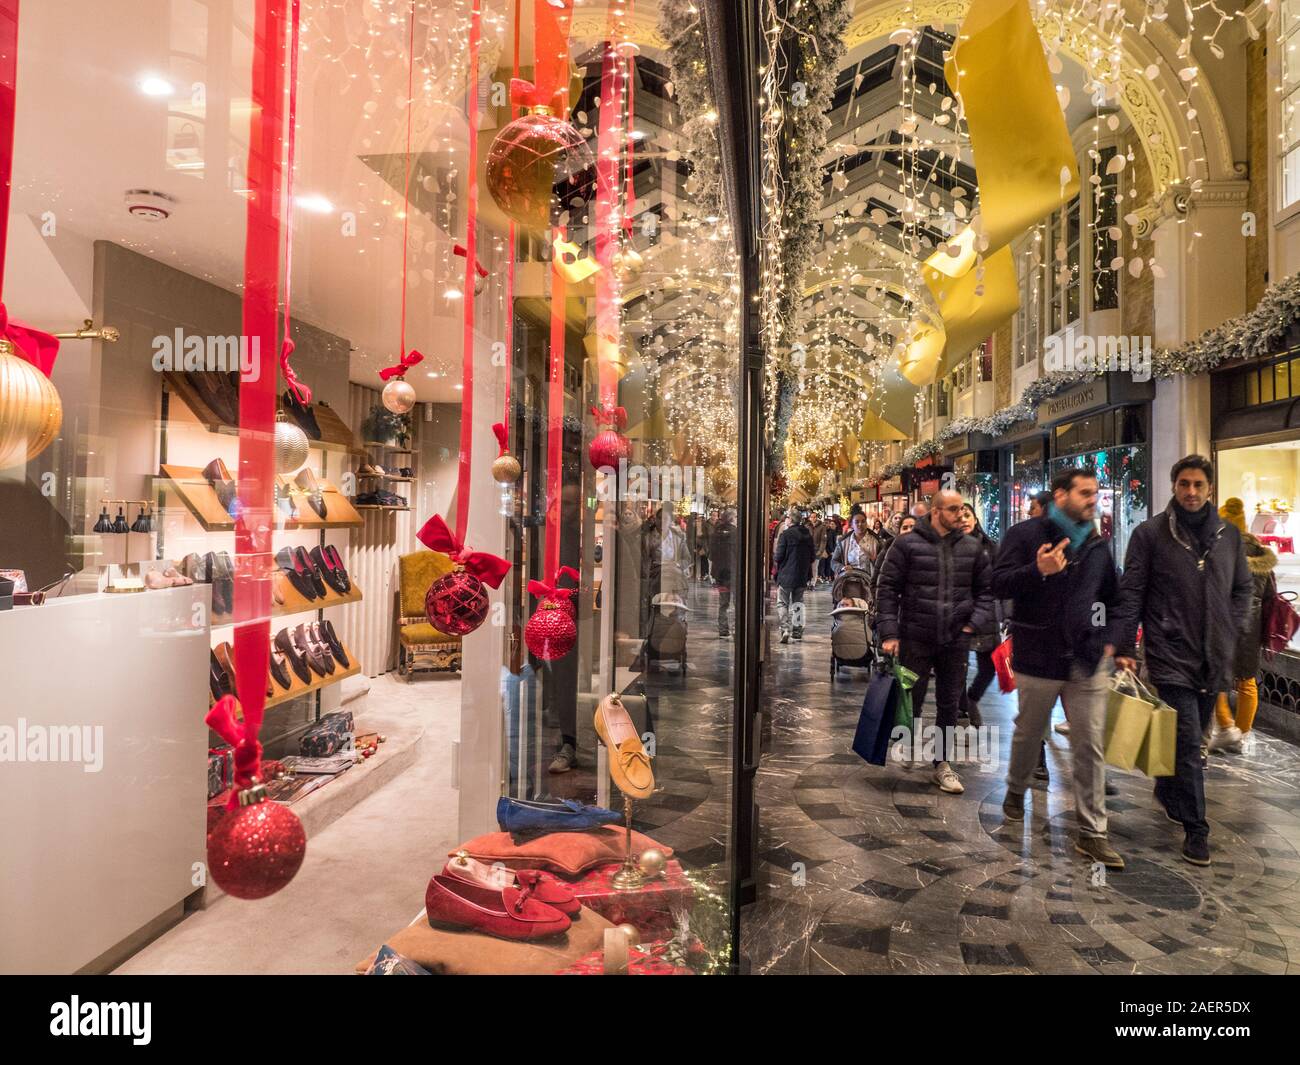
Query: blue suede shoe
point(523, 817)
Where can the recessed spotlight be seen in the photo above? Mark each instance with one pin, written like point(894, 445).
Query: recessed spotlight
point(459, 387)
point(315, 203)
point(153, 85)
point(453, 294)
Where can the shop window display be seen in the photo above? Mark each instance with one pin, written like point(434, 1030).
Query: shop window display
point(409, 367)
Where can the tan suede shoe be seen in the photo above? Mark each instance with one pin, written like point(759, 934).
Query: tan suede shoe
point(629, 765)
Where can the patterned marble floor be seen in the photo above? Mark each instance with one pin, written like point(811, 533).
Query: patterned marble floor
point(873, 870)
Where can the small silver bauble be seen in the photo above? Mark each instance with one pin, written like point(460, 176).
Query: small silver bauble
point(290, 445)
point(398, 396)
point(652, 862)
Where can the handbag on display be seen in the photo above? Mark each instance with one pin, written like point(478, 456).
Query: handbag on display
point(1134, 713)
point(1280, 621)
point(1002, 666)
point(879, 708)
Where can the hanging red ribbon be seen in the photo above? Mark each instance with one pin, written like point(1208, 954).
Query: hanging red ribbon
point(612, 416)
point(463, 252)
point(549, 588)
point(37, 347)
point(257, 393)
point(609, 216)
point(506, 419)
point(295, 384)
point(248, 751)
point(411, 358)
point(629, 196)
point(490, 569)
point(502, 434)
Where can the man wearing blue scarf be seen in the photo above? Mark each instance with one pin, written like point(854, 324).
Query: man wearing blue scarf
point(1059, 574)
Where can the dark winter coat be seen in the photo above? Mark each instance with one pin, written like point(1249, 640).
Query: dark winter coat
point(722, 550)
point(1193, 605)
point(987, 635)
point(793, 558)
point(931, 586)
point(1261, 561)
point(1056, 621)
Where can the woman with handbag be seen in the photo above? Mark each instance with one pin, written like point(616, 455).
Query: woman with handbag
point(1260, 559)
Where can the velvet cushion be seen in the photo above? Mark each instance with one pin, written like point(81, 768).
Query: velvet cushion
point(448, 953)
point(566, 853)
point(423, 633)
point(416, 572)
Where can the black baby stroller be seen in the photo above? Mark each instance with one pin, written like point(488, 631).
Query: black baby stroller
point(668, 628)
point(852, 639)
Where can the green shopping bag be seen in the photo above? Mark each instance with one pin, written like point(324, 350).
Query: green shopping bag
point(1156, 757)
point(903, 711)
point(1129, 707)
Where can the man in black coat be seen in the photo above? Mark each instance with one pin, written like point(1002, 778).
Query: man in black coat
point(722, 558)
point(1060, 577)
point(932, 594)
point(793, 557)
point(1186, 582)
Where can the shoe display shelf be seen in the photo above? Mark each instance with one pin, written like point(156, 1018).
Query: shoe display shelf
point(200, 497)
point(405, 457)
point(298, 689)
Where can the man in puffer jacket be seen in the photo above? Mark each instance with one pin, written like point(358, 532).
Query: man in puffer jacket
point(932, 594)
point(1187, 584)
point(793, 557)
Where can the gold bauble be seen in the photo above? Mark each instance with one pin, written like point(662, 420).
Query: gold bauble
point(506, 469)
point(652, 862)
point(290, 445)
point(31, 412)
point(398, 396)
point(629, 930)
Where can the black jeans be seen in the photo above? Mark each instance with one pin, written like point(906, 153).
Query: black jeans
point(984, 674)
point(949, 665)
point(1184, 793)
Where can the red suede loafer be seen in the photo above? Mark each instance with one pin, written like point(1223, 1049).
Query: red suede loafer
point(544, 887)
point(511, 913)
point(549, 890)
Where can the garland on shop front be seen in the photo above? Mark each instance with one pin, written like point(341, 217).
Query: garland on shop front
point(682, 25)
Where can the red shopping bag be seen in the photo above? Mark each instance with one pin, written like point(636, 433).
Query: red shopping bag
point(1002, 664)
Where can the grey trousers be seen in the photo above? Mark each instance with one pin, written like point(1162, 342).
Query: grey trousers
point(789, 608)
point(1084, 699)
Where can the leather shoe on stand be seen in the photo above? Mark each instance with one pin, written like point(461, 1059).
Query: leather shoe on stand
point(306, 480)
point(284, 644)
point(629, 764)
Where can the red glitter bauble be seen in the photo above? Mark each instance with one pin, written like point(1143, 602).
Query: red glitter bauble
point(529, 159)
point(255, 850)
point(608, 448)
point(456, 604)
point(550, 633)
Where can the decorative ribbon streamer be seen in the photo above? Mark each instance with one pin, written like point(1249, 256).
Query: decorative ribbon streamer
point(609, 216)
point(549, 588)
point(411, 358)
point(460, 250)
point(510, 282)
point(257, 395)
point(295, 384)
point(248, 751)
point(502, 434)
point(490, 569)
point(471, 259)
point(615, 416)
point(37, 347)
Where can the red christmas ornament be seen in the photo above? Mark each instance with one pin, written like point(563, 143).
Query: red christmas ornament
point(551, 632)
point(255, 850)
point(456, 603)
point(608, 448)
point(528, 159)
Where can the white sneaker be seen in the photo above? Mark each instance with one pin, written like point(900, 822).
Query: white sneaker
point(1227, 739)
point(1061, 728)
point(947, 779)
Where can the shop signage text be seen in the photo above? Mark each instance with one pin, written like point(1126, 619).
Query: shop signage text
point(1075, 401)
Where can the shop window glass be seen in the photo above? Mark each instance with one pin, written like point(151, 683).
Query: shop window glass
point(1289, 68)
point(1282, 381)
point(1266, 386)
point(1252, 387)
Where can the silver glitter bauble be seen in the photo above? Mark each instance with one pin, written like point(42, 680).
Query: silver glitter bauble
point(290, 446)
point(652, 862)
point(398, 396)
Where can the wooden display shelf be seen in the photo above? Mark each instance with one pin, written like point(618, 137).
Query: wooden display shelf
point(297, 603)
point(378, 506)
point(390, 447)
point(201, 500)
point(297, 687)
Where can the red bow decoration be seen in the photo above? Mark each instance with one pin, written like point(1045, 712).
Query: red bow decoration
point(526, 94)
point(411, 358)
point(40, 349)
point(548, 589)
point(300, 391)
point(248, 751)
point(503, 437)
point(490, 569)
point(615, 416)
point(459, 249)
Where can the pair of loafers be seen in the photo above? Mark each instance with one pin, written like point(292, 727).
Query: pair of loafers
point(311, 572)
point(306, 481)
point(307, 649)
point(629, 762)
point(216, 569)
point(524, 818)
point(216, 474)
point(522, 904)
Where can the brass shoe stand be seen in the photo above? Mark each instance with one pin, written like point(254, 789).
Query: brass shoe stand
point(629, 878)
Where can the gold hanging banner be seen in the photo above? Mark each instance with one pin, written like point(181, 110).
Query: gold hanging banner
point(874, 427)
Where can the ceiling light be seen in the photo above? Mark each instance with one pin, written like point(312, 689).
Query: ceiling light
point(453, 294)
point(459, 387)
point(314, 203)
point(152, 85)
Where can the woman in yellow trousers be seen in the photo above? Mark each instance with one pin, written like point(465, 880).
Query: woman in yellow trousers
point(1229, 732)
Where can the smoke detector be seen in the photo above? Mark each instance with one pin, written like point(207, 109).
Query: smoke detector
point(149, 206)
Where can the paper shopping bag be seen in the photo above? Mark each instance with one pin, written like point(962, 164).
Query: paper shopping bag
point(1156, 758)
point(1002, 666)
point(1128, 717)
point(871, 741)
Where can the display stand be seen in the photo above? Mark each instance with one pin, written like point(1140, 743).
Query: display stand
point(629, 878)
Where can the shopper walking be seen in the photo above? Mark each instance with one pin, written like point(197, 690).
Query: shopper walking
point(932, 596)
point(722, 559)
point(986, 638)
point(1058, 572)
point(818, 528)
point(858, 548)
point(1186, 582)
point(1229, 732)
point(793, 556)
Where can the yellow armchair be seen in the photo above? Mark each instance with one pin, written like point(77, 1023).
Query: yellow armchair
point(421, 647)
